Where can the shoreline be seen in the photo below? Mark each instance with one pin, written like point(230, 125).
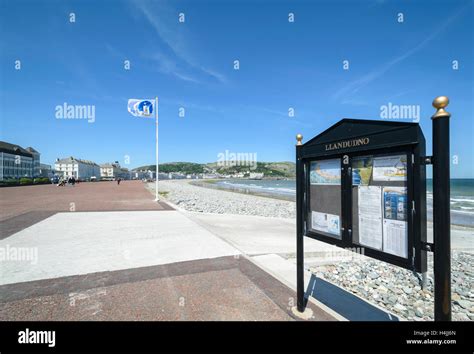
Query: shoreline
point(214, 184)
point(193, 196)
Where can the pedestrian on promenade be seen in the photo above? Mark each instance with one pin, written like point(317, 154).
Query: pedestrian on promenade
point(118, 180)
point(61, 182)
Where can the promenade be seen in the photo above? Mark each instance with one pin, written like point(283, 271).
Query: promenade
point(100, 251)
point(24, 206)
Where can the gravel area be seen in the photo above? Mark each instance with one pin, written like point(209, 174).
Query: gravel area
point(398, 290)
point(207, 200)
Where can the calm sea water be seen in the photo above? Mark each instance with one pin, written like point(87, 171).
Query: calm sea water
point(462, 195)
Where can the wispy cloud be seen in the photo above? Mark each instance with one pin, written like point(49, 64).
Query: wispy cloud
point(177, 58)
point(281, 116)
point(166, 65)
point(356, 85)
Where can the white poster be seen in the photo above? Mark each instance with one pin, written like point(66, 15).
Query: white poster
point(328, 223)
point(333, 224)
point(370, 216)
point(395, 237)
point(390, 168)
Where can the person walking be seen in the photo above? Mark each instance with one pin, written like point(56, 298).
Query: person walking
point(118, 181)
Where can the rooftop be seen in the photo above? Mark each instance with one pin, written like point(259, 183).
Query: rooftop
point(72, 159)
point(14, 149)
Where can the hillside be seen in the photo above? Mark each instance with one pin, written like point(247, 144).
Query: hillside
point(270, 169)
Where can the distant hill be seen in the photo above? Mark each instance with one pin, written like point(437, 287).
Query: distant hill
point(181, 167)
point(270, 169)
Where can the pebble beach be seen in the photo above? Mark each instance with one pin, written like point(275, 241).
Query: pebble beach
point(190, 197)
point(390, 287)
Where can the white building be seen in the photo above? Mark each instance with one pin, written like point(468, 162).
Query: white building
point(15, 161)
point(256, 175)
point(110, 170)
point(80, 169)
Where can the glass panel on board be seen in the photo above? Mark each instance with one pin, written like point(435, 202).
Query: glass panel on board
point(380, 203)
point(325, 197)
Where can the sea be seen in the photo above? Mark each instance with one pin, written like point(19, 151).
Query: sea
point(462, 195)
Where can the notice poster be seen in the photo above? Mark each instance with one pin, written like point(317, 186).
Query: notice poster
point(370, 216)
point(395, 237)
point(395, 226)
point(324, 222)
point(325, 172)
point(390, 168)
point(395, 203)
point(361, 170)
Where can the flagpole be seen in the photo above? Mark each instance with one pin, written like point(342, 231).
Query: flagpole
point(157, 171)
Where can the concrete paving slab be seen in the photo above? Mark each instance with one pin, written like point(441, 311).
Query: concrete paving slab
point(73, 243)
point(255, 235)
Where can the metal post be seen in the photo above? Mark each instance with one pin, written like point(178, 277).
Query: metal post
point(299, 227)
point(424, 280)
point(441, 211)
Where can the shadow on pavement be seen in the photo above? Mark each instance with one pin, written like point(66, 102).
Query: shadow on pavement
point(343, 302)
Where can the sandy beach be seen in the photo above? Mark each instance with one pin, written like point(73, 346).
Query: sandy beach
point(390, 287)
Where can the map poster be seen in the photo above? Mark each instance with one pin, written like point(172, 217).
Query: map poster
point(390, 168)
point(325, 172)
point(370, 216)
point(324, 222)
point(361, 170)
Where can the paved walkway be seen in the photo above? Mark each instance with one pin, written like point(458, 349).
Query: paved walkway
point(128, 265)
point(86, 242)
point(224, 288)
point(21, 207)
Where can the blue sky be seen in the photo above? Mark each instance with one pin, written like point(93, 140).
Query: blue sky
point(191, 65)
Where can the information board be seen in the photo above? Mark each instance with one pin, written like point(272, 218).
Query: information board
point(362, 185)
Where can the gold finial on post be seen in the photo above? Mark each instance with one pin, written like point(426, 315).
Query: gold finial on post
point(299, 138)
point(440, 103)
